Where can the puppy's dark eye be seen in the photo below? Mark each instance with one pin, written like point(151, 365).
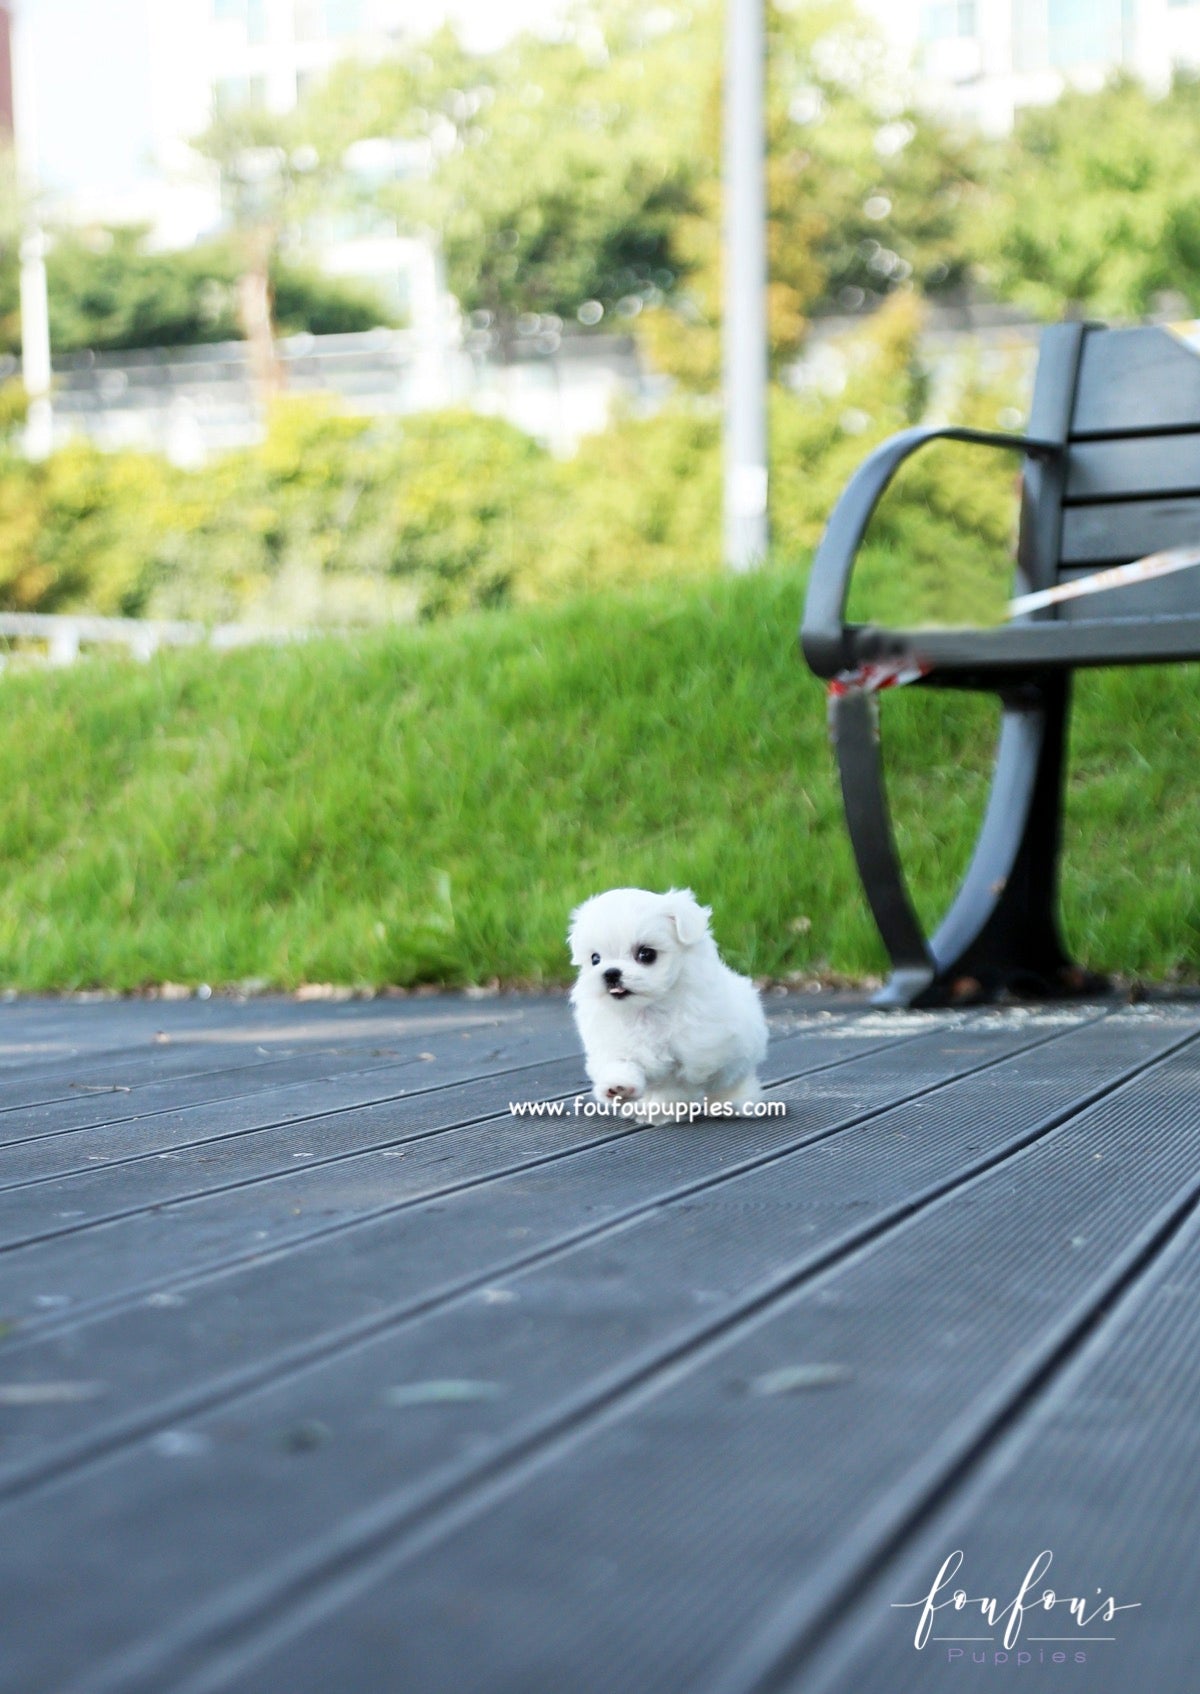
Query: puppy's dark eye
point(595, 958)
point(645, 955)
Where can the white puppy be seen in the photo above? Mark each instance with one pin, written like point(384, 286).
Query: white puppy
point(663, 1021)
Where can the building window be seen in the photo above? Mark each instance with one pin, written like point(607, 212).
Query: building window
point(230, 93)
point(251, 14)
point(316, 19)
point(343, 17)
point(236, 93)
point(948, 20)
point(1085, 32)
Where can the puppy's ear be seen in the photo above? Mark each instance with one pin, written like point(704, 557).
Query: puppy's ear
point(688, 915)
point(574, 939)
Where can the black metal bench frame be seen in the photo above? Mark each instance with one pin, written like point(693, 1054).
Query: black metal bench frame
point(1112, 454)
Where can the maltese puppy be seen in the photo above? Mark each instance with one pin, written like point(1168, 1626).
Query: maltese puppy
point(664, 1023)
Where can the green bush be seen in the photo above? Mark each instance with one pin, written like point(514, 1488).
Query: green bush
point(940, 548)
point(330, 520)
point(337, 519)
point(79, 530)
point(640, 502)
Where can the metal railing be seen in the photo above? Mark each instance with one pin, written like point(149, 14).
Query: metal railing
point(65, 633)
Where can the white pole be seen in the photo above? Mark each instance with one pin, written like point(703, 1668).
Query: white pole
point(745, 279)
point(35, 307)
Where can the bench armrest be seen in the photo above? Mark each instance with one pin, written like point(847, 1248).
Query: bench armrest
point(823, 633)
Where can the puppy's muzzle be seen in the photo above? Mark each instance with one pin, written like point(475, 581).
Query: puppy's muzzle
point(612, 981)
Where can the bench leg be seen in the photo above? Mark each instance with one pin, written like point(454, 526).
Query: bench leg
point(854, 721)
point(1001, 933)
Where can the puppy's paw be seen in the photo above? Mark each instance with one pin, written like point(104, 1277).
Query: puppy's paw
point(619, 1083)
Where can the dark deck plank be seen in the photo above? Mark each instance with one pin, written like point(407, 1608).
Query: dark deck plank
point(275, 1315)
point(99, 1108)
point(145, 1249)
point(1103, 1470)
point(686, 1504)
point(224, 1116)
point(231, 1143)
point(948, 1212)
point(197, 1054)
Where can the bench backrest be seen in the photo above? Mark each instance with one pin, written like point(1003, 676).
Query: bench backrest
point(1127, 404)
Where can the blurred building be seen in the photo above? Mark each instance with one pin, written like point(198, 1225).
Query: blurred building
point(197, 58)
point(985, 59)
point(216, 55)
point(209, 57)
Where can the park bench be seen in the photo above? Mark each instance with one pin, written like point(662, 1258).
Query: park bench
point(1111, 474)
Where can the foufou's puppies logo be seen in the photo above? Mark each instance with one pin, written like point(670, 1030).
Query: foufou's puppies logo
point(961, 1621)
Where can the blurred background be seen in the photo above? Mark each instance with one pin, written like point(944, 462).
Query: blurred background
point(369, 310)
point(405, 321)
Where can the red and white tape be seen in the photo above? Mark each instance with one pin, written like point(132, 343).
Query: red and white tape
point(1101, 582)
point(870, 679)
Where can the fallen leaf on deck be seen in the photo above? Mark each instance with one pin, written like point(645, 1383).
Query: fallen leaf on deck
point(304, 1437)
point(795, 1379)
point(47, 1393)
point(451, 1391)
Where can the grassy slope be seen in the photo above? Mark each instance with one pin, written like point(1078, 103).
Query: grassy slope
point(427, 805)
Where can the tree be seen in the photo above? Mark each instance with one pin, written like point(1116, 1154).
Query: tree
point(272, 177)
point(865, 196)
point(579, 177)
point(108, 293)
point(555, 170)
point(566, 201)
point(1095, 203)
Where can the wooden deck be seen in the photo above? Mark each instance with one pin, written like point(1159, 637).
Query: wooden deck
point(323, 1373)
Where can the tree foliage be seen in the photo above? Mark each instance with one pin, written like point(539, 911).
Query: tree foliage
point(108, 292)
point(557, 169)
point(579, 177)
point(865, 196)
point(1094, 205)
point(271, 178)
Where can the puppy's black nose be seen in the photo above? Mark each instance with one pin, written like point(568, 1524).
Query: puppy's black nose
point(612, 976)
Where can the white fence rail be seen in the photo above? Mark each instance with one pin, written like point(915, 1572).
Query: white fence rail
point(65, 633)
point(192, 402)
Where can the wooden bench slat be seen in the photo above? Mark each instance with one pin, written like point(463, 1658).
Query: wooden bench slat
point(1145, 378)
point(1150, 466)
point(1113, 533)
point(1163, 597)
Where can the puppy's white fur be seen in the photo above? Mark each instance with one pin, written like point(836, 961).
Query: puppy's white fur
point(674, 1025)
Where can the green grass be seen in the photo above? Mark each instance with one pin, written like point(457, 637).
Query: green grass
point(426, 806)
